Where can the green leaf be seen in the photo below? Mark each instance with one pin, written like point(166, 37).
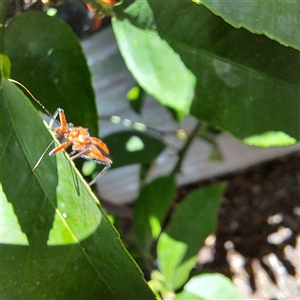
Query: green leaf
point(209, 286)
point(151, 208)
point(5, 66)
point(56, 243)
point(3, 6)
point(47, 58)
point(185, 295)
point(193, 220)
point(247, 84)
point(278, 20)
point(155, 65)
point(133, 147)
point(136, 96)
point(270, 139)
point(138, 12)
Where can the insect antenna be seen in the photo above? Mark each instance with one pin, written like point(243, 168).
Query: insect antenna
point(47, 112)
point(35, 99)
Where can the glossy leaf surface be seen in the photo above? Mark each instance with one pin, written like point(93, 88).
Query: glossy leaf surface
point(209, 286)
point(282, 24)
point(158, 69)
point(5, 66)
point(246, 84)
point(151, 208)
point(193, 220)
point(47, 58)
point(56, 243)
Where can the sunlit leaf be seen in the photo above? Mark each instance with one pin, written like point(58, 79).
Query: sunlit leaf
point(247, 84)
point(193, 220)
point(151, 208)
point(209, 286)
point(278, 20)
point(134, 144)
point(62, 244)
point(5, 66)
point(158, 69)
point(270, 139)
point(11, 232)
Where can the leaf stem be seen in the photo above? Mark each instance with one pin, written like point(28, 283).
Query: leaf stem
point(185, 148)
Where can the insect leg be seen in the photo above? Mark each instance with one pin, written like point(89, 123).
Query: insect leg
point(107, 166)
point(59, 148)
point(79, 153)
point(41, 157)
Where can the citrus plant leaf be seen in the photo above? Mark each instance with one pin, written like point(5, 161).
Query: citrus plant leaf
point(56, 243)
point(270, 139)
point(133, 147)
point(47, 58)
point(209, 286)
point(246, 84)
point(5, 66)
point(193, 220)
point(151, 208)
point(282, 23)
point(155, 65)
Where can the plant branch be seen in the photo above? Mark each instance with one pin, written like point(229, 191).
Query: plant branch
point(185, 148)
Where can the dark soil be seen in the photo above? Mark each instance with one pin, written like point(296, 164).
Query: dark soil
point(258, 202)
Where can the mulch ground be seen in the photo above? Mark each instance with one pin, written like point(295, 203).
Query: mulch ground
point(259, 220)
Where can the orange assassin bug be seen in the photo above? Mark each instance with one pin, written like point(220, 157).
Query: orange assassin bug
point(83, 145)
